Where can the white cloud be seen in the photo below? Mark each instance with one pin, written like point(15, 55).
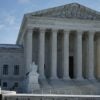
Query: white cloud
point(10, 19)
point(7, 18)
point(9, 27)
point(24, 1)
point(1, 26)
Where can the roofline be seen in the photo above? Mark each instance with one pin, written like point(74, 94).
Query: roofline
point(44, 10)
point(20, 30)
point(10, 46)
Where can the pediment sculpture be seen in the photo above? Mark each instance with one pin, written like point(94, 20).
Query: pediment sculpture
point(73, 10)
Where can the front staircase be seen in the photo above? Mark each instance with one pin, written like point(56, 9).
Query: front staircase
point(76, 87)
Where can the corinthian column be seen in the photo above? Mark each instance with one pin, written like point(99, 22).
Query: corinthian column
point(66, 56)
point(41, 53)
point(54, 54)
point(78, 67)
point(91, 56)
point(28, 48)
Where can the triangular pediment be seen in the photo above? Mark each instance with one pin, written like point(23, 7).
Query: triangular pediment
point(73, 10)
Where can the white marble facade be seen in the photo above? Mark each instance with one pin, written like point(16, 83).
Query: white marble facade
point(63, 45)
point(64, 42)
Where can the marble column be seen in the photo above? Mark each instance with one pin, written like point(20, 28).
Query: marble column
point(91, 55)
point(41, 53)
point(78, 67)
point(98, 57)
point(29, 48)
point(54, 54)
point(66, 56)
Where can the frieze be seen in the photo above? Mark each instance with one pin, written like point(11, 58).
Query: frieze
point(58, 23)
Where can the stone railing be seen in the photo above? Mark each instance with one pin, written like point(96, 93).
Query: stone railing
point(8, 92)
point(49, 97)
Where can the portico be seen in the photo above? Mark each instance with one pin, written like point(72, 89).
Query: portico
point(63, 45)
point(63, 54)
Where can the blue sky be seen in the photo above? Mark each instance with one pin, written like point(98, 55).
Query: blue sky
point(12, 11)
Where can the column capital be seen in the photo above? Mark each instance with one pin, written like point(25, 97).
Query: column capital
point(91, 35)
point(92, 32)
point(80, 32)
point(54, 30)
point(29, 30)
point(42, 30)
point(66, 31)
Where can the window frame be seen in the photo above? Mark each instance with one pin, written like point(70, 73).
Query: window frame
point(5, 86)
point(16, 70)
point(5, 69)
point(15, 84)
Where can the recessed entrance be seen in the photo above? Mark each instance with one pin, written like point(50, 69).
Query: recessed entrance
point(71, 67)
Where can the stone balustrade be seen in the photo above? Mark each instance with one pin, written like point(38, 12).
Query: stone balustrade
point(49, 97)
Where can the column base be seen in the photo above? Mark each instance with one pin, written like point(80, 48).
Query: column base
point(79, 78)
point(66, 78)
point(42, 77)
point(91, 78)
point(54, 78)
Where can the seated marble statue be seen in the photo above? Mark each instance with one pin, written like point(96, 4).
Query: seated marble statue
point(30, 83)
point(33, 68)
point(33, 77)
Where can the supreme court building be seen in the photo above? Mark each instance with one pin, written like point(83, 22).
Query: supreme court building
point(64, 42)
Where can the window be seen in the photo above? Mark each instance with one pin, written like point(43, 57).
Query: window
point(5, 84)
point(16, 98)
point(16, 70)
point(16, 84)
point(5, 98)
point(5, 69)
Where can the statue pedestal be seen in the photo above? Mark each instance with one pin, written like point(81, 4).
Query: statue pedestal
point(33, 87)
point(33, 82)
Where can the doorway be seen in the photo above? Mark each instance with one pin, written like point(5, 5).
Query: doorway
point(71, 67)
